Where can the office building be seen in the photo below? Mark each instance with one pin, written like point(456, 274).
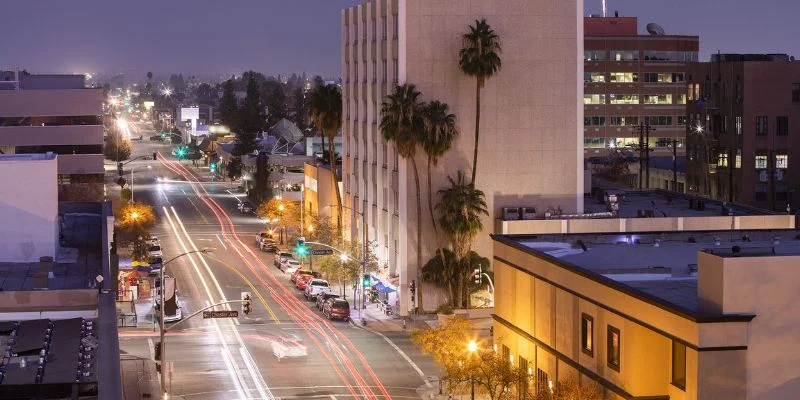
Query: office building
point(58, 114)
point(744, 111)
point(656, 315)
point(530, 146)
point(632, 79)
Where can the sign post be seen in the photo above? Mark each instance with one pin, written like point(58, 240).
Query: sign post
point(221, 314)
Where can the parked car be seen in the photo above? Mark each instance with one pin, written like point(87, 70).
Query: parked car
point(315, 287)
point(290, 266)
point(336, 308)
point(280, 257)
point(323, 297)
point(302, 281)
point(264, 235)
point(288, 347)
point(299, 272)
point(156, 138)
point(268, 246)
point(155, 251)
point(245, 207)
point(178, 314)
point(155, 265)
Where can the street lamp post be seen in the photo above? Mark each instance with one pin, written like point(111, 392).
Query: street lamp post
point(280, 218)
point(472, 347)
point(163, 349)
point(132, 177)
point(365, 235)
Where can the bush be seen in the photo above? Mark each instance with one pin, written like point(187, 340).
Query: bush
point(445, 309)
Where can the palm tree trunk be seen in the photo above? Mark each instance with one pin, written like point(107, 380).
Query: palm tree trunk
point(477, 129)
point(419, 235)
point(433, 219)
point(332, 160)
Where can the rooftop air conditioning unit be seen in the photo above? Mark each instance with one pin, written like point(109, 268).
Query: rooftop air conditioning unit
point(528, 213)
point(511, 213)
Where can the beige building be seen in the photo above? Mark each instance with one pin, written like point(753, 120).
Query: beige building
point(530, 150)
point(319, 196)
point(656, 315)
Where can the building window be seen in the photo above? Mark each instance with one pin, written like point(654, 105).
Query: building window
point(738, 162)
point(587, 334)
point(595, 55)
point(663, 77)
point(680, 99)
point(796, 93)
point(782, 126)
point(385, 71)
point(658, 120)
point(761, 126)
point(681, 120)
point(722, 159)
point(383, 28)
point(624, 121)
point(738, 125)
point(542, 381)
point(624, 99)
point(374, 71)
point(612, 351)
point(525, 376)
point(761, 191)
point(623, 77)
point(374, 30)
point(761, 161)
point(624, 55)
point(594, 77)
point(506, 353)
point(782, 161)
point(594, 99)
point(661, 99)
point(395, 27)
point(679, 365)
point(594, 121)
point(396, 72)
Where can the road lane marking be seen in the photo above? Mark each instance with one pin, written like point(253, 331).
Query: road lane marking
point(234, 372)
point(152, 347)
point(251, 366)
point(251, 286)
point(221, 242)
point(402, 354)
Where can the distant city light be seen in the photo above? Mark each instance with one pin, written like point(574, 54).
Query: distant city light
point(167, 92)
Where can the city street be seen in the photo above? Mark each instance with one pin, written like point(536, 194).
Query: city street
point(234, 358)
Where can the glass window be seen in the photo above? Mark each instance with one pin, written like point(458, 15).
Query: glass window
point(738, 123)
point(761, 191)
point(396, 72)
point(594, 77)
point(722, 159)
point(624, 55)
point(761, 126)
point(782, 126)
point(678, 77)
point(660, 99)
point(624, 99)
point(658, 120)
point(738, 161)
point(594, 142)
point(623, 77)
point(594, 55)
point(782, 161)
point(796, 93)
point(679, 365)
point(624, 121)
point(682, 120)
point(594, 121)
point(587, 334)
point(394, 25)
point(662, 77)
point(613, 348)
point(594, 99)
point(761, 161)
point(680, 99)
point(383, 27)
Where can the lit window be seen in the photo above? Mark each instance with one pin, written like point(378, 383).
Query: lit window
point(658, 99)
point(782, 161)
point(738, 125)
point(594, 77)
point(594, 99)
point(722, 159)
point(587, 333)
point(681, 99)
point(681, 120)
point(738, 161)
point(624, 99)
point(761, 161)
point(596, 55)
point(624, 121)
point(658, 120)
point(613, 348)
point(623, 77)
point(624, 55)
point(679, 365)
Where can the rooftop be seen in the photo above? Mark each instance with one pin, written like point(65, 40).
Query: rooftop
point(27, 157)
point(659, 266)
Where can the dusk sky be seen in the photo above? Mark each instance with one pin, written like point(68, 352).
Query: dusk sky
point(283, 36)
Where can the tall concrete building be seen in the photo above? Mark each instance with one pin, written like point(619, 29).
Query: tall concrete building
point(632, 79)
point(530, 145)
point(58, 114)
point(744, 111)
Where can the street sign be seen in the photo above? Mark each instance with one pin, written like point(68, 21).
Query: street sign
point(220, 314)
point(321, 252)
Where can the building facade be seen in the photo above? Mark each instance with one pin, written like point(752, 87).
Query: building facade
point(745, 111)
point(56, 113)
point(657, 315)
point(631, 80)
point(530, 150)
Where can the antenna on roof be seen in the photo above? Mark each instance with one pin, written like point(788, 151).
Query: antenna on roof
point(604, 8)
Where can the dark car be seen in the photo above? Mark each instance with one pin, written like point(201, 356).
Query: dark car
point(335, 308)
point(246, 207)
point(323, 297)
point(156, 138)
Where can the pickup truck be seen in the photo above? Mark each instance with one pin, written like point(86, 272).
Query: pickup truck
point(315, 287)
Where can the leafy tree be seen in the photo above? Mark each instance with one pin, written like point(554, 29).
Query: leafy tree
point(274, 97)
point(177, 83)
point(287, 212)
point(480, 57)
point(148, 87)
point(444, 274)
point(116, 148)
point(234, 168)
point(205, 94)
point(493, 375)
point(461, 207)
point(228, 106)
point(447, 345)
point(325, 109)
point(134, 222)
point(402, 124)
point(440, 132)
point(300, 108)
point(251, 121)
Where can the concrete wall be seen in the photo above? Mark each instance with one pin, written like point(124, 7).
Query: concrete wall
point(60, 102)
point(80, 164)
point(28, 208)
point(51, 135)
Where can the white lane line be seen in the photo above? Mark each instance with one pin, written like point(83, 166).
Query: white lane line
point(152, 348)
point(251, 367)
point(221, 242)
point(402, 354)
point(333, 397)
point(234, 372)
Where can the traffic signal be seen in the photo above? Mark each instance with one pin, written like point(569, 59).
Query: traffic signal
point(157, 351)
point(119, 168)
point(301, 246)
point(246, 303)
point(212, 167)
point(365, 281)
point(413, 288)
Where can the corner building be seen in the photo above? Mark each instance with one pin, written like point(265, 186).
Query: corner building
point(530, 151)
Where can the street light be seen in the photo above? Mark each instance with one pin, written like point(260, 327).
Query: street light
point(343, 257)
point(364, 251)
point(162, 356)
point(134, 215)
point(472, 347)
point(280, 217)
point(132, 177)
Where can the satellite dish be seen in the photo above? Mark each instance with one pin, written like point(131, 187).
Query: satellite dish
point(655, 29)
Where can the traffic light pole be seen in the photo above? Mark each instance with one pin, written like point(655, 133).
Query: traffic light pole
point(201, 310)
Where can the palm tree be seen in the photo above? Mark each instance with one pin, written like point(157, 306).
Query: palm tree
point(402, 125)
point(440, 132)
point(461, 207)
point(480, 57)
point(325, 109)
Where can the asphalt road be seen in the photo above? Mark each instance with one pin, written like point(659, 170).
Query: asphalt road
point(234, 358)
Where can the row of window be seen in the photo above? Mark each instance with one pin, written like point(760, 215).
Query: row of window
point(635, 55)
point(384, 70)
point(52, 120)
point(781, 125)
point(614, 346)
point(652, 99)
point(633, 121)
point(351, 33)
point(632, 77)
point(619, 142)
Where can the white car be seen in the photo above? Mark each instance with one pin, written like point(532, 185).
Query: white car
point(289, 266)
point(316, 287)
point(175, 317)
point(281, 257)
point(290, 346)
point(155, 251)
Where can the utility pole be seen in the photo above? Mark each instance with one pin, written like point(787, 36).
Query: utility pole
point(644, 152)
point(675, 165)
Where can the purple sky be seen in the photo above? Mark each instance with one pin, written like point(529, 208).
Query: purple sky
point(282, 36)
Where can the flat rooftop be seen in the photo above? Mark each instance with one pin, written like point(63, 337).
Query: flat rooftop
point(661, 266)
point(27, 157)
point(663, 203)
